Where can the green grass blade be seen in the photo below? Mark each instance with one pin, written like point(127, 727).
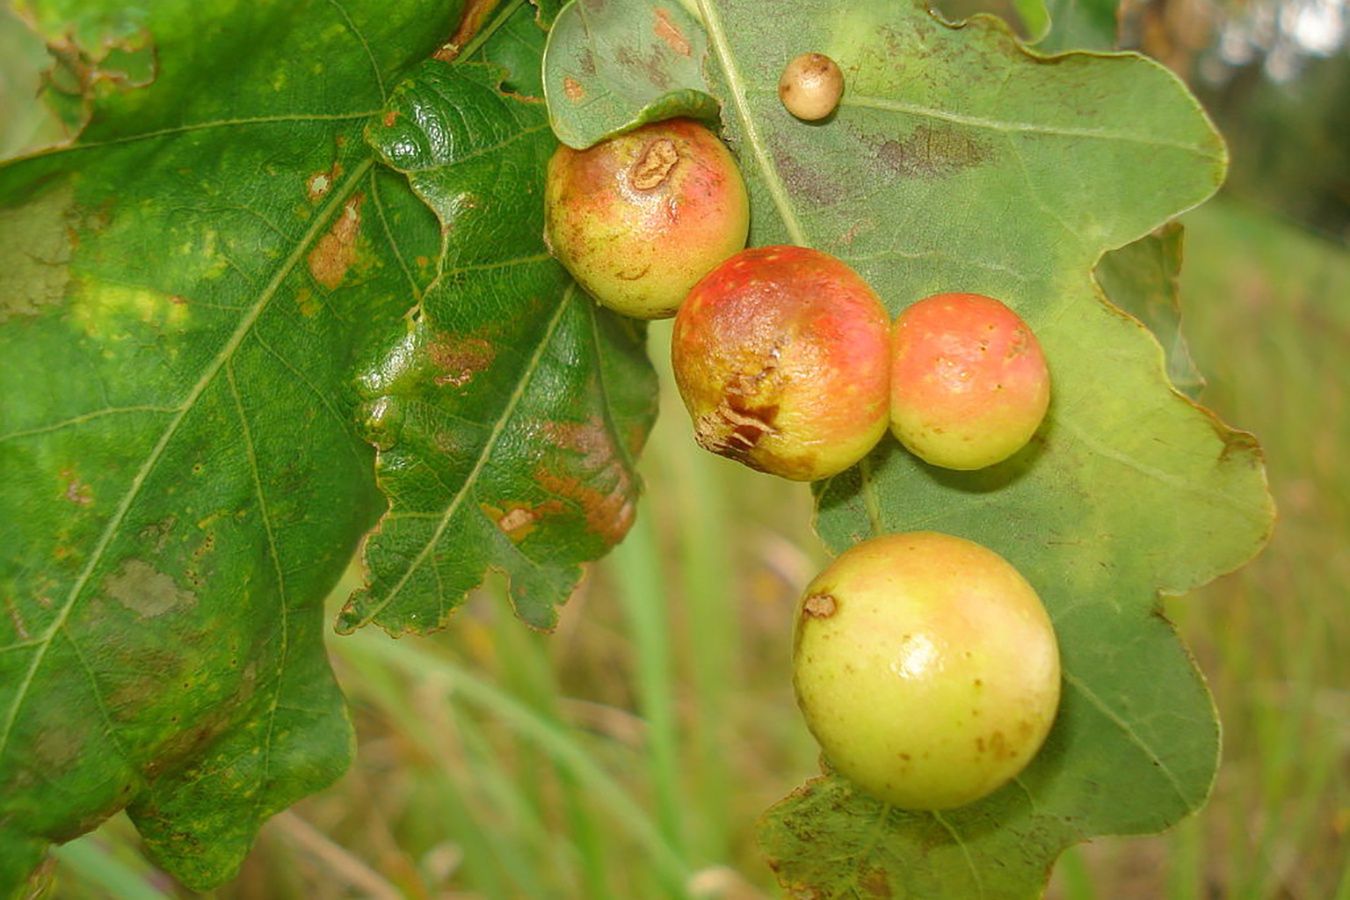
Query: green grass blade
point(87, 860)
point(640, 585)
point(416, 660)
point(524, 656)
point(712, 636)
point(385, 687)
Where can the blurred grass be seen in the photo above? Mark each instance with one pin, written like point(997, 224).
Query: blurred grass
point(628, 754)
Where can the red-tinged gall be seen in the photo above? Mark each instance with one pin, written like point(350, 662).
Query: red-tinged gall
point(640, 218)
point(781, 357)
point(810, 86)
point(969, 382)
point(935, 678)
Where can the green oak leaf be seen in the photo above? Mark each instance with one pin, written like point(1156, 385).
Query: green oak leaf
point(548, 11)
point(1142, 279)
point(517, 45)
point(184, 291)
point(958, 161)
point(509, 417)
point(613, 65)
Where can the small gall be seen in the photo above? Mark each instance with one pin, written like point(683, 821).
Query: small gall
point(810, 86)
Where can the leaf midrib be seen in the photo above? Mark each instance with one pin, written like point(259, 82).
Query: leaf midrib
point(185, 129)
point(772, 181)
point(321, 222)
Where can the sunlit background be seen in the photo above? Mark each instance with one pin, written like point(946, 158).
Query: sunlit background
point(628, 754)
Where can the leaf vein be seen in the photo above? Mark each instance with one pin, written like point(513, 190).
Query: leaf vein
point(735, 86)
point(390, 239)
point(1131, 735)
point(197, 126)
point(323, 399)
point(965, 851)
point(605, 405)
point(1001, 125)
point(84, 417)
point(1189, 486)
point(365, 45)
point(98, 696)
point(283, 624)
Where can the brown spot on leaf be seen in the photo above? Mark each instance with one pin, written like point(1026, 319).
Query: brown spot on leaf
point(459, 359)
point(669, 32)
point(930, 152)
point(591, 439)
point(471, 21)
point(806, 181)
point(336, 250)
point(848, 237)
point(57, 748)
point(319, 184)
point(308, 303)
point(205, 547)
point(36, 246)
point(390, 118)
point(605, 490)
point(572, 89)
point(820, 606)
point(145, 591)
point(609, 514)
point(157, 533)
point(650, 68)
point(191, 742)
point(20, 629)
point(77, 491)
point(517, 520)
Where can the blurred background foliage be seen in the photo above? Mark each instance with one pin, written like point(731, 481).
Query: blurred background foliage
point(628, 754)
